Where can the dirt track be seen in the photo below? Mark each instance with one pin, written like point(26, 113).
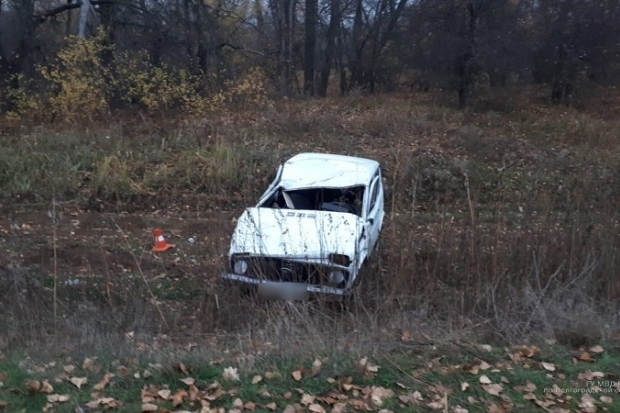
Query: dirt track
point(108, 253)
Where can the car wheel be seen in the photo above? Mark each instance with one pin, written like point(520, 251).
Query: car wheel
point(371, 288)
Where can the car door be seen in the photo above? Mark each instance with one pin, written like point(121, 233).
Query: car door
point(374, 216)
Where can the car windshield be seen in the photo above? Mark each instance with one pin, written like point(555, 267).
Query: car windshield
point(346, 200)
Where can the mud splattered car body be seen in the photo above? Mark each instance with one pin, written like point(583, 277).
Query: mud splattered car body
point(312, 230)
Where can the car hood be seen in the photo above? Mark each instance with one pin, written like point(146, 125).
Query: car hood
point(296, 233)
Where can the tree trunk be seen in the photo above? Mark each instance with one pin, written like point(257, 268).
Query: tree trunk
point(69, 23)
point(358, 46)
point(84, 11)
point(464, 66)
point(310, 46)
point(328, 52)
point(285, 16)
point(564, 72)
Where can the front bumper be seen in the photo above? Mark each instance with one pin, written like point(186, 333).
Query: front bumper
point(315, 289)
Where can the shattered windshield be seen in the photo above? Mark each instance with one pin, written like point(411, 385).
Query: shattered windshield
point(346, 200)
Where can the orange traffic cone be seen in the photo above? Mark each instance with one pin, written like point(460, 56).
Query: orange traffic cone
point(160, 243)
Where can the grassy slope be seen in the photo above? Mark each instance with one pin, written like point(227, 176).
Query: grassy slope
point(419, 380)
point(487, 205)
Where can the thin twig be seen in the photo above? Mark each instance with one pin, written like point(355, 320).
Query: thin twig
point(397, 367)
point(55, 267)
point(161, 314)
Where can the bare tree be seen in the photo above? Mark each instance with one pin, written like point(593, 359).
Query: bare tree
point(284, 15)
point(310, 45)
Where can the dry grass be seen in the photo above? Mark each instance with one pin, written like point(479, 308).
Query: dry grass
point(501, 225)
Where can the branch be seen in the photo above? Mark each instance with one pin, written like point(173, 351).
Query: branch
point(269, 54)
point(41, 18)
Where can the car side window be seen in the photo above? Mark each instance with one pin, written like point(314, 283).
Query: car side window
point(374, 194)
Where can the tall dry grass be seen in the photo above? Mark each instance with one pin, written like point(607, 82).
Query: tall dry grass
point(501, 225)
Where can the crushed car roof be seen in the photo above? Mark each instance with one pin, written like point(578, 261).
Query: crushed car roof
point(312, 170)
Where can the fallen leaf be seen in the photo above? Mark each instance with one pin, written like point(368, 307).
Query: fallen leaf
point(270, 375)
point(164, 394)
point(378, 394)
point(271, 406)
point(78, 381)
point(585, 356)
point(316, 408)
point(297, 375)
point(459, 409)
point(464, 386)
point(33, 386)
point(307, 399)
point(548, 366)
point(607, 399)
point(114, 404)
point(58, 398)
point(526, 351)
point(177, 398)
point(484, 380)
point(289, 409)
point(484, 365)
point(46, 387)
point(230, 374)
point(587, 404)
point(590, 375)
point(256, 379)
point(597, 349)
point(87, 363)
point(238, 403)
point(181, 367)
point(189, 380)
point(69, 369)
point(494, 408)
point(104, 382)
point(492, 389)
point(149, 407)
point(3, 404)
point(436, 405)
point(317, 364)
point(193, 392)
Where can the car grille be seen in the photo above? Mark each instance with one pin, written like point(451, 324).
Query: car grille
point(275, 269)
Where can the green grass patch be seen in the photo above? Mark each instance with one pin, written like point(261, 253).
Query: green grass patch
point(398, 382)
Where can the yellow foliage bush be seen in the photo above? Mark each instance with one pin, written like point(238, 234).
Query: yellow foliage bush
point(79, 79)
point(23, 101)
point(249, 91)
point(80, 85)
point(157, 88)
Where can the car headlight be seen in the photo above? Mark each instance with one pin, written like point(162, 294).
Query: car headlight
point(340, 259)
point(336, 277)
point(240, 267)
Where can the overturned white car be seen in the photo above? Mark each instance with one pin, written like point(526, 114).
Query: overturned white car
point(312, 230)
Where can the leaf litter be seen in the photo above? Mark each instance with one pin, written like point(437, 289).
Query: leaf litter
point(346, 393)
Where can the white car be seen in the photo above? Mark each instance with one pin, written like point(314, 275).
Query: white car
point(312, 230)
